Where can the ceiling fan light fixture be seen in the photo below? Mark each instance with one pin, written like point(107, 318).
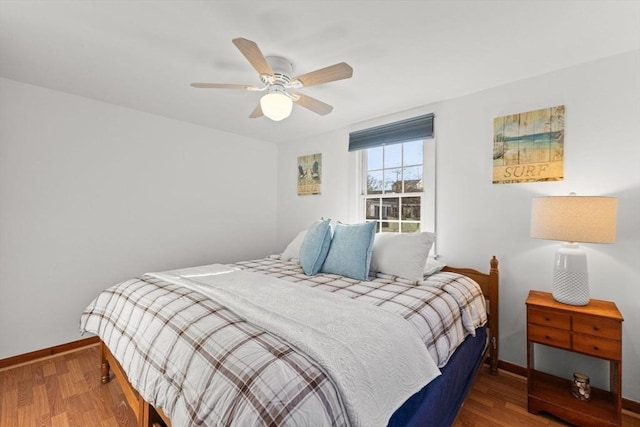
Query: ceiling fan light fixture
point(276, 106)
point(275, 73)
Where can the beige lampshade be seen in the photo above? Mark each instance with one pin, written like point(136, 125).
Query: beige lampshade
point(574, 218)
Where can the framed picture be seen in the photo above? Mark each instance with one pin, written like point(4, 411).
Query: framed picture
point(309, 174)
point(529, 147)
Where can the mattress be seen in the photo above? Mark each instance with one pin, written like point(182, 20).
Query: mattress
point(438, 403)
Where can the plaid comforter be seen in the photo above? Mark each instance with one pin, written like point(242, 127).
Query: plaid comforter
point(444, 308)
point(203, 365)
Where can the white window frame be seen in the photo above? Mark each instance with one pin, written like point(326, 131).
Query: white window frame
point(428, 218)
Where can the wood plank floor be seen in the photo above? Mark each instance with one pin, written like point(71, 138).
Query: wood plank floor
point(65, 390)
point(502, 401)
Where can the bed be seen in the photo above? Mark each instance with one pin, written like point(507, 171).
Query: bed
point(186, 350)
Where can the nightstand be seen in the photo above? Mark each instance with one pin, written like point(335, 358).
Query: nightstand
point(595, 330)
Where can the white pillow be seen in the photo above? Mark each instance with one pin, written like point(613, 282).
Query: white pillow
point(433, 266)
point(401, 254)
point(293, 249)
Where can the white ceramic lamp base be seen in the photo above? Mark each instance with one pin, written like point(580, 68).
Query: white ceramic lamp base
point(570, 277)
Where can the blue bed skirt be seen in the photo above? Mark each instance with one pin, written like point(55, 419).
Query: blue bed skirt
point(437, 404)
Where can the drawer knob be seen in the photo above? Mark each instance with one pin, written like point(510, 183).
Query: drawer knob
point(547, 337)
point(595, 328)
point(546, 319)
point(595, 347)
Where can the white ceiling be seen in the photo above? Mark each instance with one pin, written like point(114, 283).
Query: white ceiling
point(144, 55)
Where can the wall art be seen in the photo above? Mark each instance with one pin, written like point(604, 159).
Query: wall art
point(309, 174)
point(529, 147)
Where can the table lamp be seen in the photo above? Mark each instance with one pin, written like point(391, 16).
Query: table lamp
point(573, 219)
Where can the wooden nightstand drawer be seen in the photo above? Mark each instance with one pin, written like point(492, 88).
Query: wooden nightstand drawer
point(597, 326)
point(598, 347)
point(549, 318)
point(549, 336)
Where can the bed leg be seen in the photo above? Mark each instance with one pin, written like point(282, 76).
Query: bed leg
point(105, 375)
point(148, 416)
point(493, 357)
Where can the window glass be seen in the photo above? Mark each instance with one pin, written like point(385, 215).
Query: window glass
point(410, 227)
point(374, 158)
point(411, 208)
point(390, 227)
point(390, 208)
point(413, 152)
point(374, 182)
point(373, 209)
point(413, 179)
point(393, 180)
point(395, 186)
point(392, 155)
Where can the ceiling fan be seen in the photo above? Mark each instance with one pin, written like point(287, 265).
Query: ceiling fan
point(275, 73)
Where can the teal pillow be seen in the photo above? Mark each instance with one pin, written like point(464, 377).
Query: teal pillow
point(350, 251)
point(315, 246)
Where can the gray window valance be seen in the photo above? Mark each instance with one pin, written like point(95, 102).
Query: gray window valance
point(420, 127)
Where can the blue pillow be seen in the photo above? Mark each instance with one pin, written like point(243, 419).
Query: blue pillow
point(315, 246)
point(350, 251)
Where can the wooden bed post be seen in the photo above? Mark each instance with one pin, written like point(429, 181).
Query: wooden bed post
point(105, 375)
point(490, 285)
point(494, 320)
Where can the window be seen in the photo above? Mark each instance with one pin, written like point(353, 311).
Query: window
point(394, 186)
point(398, 174)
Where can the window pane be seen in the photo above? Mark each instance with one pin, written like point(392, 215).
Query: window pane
point(396, 170)
point(410, 227)
point(390, 208)
point(413, 152)
point(392, 156)
point(393, 180)
point(373, 209)
point(413, 179)
point(390, 227)
point(411, 208)
point(374, 158)
point(374, 182)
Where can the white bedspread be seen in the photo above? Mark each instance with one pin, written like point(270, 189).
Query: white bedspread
point(376, 359)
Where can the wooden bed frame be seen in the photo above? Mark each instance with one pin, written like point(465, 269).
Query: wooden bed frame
point(148, 416)
point(489, 283)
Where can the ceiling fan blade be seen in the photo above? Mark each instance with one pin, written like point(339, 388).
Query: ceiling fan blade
point(252, 52)
point(328, 74)
point(257, 112)
point(312, 104)
point(223, 86)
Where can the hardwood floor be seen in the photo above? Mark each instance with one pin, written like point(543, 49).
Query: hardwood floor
point(62, 390)
point(502, 401)
point(65, 390)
